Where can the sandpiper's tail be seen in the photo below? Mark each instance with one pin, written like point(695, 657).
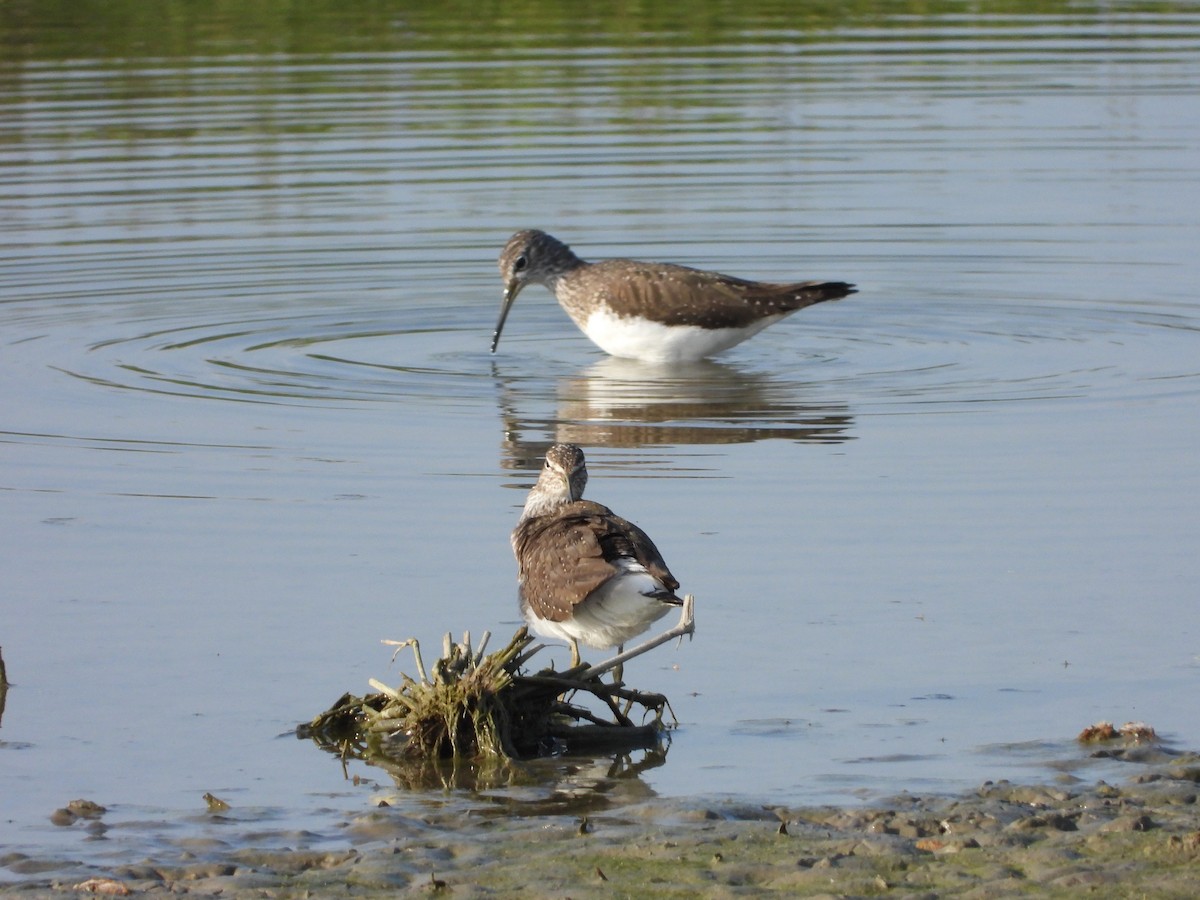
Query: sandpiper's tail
point(820, 291)
point(787, 298)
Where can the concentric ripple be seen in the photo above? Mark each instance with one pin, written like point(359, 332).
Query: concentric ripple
point(805, 379)
point(311, 358)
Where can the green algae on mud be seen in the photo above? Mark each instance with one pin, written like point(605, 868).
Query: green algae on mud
point(1140, 838)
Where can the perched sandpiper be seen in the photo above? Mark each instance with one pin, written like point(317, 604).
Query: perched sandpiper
point(584, 573)
point(656, 312)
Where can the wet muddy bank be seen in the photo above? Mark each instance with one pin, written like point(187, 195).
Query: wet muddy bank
point(1140, 835)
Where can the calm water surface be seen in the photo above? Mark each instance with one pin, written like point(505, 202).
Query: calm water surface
point(251, 426)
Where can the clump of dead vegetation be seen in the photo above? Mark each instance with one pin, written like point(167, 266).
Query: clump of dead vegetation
point(478, 706)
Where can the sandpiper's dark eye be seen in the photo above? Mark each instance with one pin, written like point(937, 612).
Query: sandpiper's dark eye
point(520, 263)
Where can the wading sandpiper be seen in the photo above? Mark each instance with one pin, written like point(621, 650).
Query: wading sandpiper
point(656, 312)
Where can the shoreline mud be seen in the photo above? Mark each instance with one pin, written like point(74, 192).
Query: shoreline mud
point(1139, 837)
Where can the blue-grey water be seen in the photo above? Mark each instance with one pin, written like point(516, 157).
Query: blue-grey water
point(250, 426)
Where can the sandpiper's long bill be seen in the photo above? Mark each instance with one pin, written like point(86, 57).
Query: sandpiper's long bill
point(657, 312)
point(584, 573)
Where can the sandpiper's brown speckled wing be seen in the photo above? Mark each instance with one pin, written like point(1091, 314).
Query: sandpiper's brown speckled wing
point(678, 295)
point(566, 555)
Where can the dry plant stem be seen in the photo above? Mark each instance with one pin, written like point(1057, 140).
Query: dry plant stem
point(686, 626)
point(483, 642)
point(411, 642)
point(527, 655)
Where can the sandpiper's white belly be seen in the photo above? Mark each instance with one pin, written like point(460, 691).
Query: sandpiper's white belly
point(614, 613)
point(633, 337)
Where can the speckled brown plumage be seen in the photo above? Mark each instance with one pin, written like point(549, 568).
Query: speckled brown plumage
point(678, 295)
point(584, 573)
point(565, 556)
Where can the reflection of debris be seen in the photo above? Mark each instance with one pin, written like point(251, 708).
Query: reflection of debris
point(1135, 732)
point(481, 709)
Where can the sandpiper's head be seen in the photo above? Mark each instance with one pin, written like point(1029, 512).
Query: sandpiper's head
point(530, 257)
point(562, 480)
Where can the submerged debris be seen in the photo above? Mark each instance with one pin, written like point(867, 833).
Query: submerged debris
point(479, 708)
point(1101, 731)
point(214, 804)
point(108, 886)
point(1135, 732)
point(1138, 731)
point(76, 810)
